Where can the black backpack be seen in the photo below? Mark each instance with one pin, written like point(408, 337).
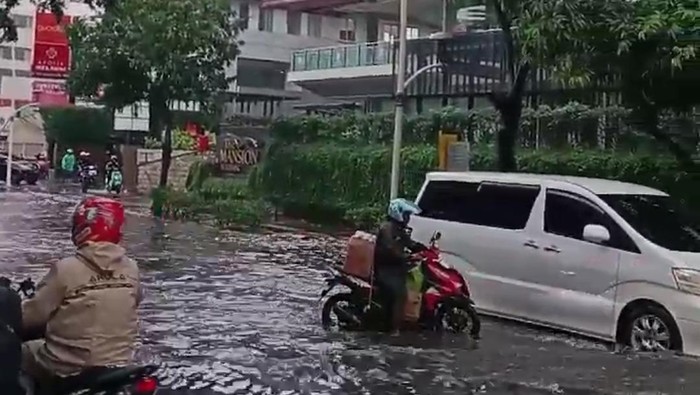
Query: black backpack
point(10, 339)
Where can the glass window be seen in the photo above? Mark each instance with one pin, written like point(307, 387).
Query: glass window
point(6, 52)
point(390, 32)
point(314, 24)
point(22, 21)
point(244, 14)
point(293, 23)
point(348, 32)
point(566, 214)
point(6, 73)
point(23, 73)
point(266, 20)
point(505, 206)
point(659, 219)
point(22, 53)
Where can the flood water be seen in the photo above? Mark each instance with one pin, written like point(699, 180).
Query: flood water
point(235, 313)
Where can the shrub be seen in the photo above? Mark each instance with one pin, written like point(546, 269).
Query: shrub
point(351, 183)
point(571, 125)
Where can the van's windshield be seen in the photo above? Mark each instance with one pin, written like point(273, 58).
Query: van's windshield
point(659, 219)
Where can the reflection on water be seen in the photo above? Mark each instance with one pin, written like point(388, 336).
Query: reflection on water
point(236, 313)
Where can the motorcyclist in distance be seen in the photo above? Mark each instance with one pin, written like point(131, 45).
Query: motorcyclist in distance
point(110, 166)
point(87, 303)
point(391, 258)
point(84, 160)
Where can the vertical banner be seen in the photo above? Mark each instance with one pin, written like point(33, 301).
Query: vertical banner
point(51, 57)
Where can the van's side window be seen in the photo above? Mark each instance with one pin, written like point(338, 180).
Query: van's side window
point(566, 214)
point(505, 206)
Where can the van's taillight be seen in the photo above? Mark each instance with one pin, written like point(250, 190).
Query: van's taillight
point(145, 386)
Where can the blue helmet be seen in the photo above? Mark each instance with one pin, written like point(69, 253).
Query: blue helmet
point(400, 210)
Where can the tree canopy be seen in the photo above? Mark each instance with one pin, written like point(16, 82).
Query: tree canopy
point(649, 48)
point(159, 51)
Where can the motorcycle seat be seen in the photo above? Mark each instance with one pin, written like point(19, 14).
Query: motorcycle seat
point(101, 379)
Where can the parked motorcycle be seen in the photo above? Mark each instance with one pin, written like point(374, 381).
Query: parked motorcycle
point(114, 183)
point(131, 380)
point(445, 304)
point(88, 175)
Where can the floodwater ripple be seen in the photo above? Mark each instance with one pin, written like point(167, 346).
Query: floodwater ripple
point(237, 313)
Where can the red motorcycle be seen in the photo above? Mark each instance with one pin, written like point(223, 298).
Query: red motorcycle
point(445, 303)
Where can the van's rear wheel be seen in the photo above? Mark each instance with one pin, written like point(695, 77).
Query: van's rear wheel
point(650, 328)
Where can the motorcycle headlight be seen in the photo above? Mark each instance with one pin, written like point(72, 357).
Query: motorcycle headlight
point(687, 280)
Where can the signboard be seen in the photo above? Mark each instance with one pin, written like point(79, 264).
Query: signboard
point(238, 153)
point(50, 93)
point(51, 49)
point(458, 156)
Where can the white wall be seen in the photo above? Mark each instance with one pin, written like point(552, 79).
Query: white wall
point(278, 44)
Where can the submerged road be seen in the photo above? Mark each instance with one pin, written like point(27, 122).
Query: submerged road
point(237, 313)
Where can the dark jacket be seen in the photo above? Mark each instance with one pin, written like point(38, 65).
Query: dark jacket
point(10, 341)
point(390, 251)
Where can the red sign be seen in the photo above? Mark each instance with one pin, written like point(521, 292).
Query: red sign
point(51, 49)
point(50, 93)
point(5, 102)
point(51, 60)
point(48, 30)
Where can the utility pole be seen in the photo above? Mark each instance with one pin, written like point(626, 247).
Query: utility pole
point(399, 111)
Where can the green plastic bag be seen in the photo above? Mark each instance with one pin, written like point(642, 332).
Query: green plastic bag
point(414, 279)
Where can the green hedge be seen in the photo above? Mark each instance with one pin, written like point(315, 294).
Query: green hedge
point(570, 125)
point(227, 202)
point(331, 182)
point(573, 125)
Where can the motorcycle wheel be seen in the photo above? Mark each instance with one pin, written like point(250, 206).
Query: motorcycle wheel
point(330, 319)
point(458, 316)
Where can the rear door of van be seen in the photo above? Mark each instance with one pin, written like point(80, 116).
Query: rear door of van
point(484, 229)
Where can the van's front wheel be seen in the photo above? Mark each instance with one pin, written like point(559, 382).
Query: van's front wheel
point(651, 328)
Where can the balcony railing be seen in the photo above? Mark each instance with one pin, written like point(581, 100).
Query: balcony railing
point(353, 55)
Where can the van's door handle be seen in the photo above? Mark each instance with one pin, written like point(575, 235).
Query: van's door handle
point(554, 249)
point(531, 244)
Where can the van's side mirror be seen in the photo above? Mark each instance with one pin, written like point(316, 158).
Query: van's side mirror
point(597, 234)
point(438, 235)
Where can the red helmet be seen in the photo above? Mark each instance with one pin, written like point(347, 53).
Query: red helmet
point(97, 219)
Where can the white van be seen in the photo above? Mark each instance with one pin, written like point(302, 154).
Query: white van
point(606, 259)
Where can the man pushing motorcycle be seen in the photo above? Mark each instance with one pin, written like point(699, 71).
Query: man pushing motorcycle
point(86, 305)
point(391, 258)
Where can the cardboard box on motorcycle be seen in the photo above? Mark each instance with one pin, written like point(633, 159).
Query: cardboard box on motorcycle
point(359, 262)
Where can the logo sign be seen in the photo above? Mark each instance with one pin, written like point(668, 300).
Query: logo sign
point(51, 48)
point(236, 154)
point(50, 93)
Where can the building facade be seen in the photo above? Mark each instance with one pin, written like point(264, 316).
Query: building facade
point(18, 84)
point(361, 71)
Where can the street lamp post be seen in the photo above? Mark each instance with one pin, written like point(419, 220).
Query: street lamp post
point(400, 88)
point(10, 139)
